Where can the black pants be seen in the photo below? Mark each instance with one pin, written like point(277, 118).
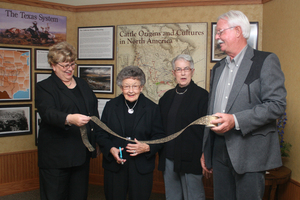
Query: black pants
point(127, 180)
point(65, 183)
point(229, 185)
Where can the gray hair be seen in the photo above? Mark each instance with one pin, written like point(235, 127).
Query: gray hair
point(185, 57)
point(237, 18)
point(133, 72)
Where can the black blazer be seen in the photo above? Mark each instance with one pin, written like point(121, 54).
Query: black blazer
point(188, 145)
point(147, 126)
point(60, 145)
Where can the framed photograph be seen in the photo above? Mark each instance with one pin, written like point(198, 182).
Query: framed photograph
point(217, 54)
point(101, 104)
point(37, 126)
point(253, 39)
point(41, 59)
point(99, 77)
point(96, 43)
point(41, 76)
point(15, 120)
point(15, 76)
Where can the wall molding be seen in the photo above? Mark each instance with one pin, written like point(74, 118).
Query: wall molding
point(137, 5)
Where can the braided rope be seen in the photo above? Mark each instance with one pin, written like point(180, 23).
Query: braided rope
point(201, 121)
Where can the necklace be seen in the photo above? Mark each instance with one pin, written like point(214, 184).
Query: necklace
point(69, 84)
point(130, 110)
point(181, 92)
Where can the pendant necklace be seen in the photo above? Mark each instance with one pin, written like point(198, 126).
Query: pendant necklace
point(130, 110)
point(181, 92)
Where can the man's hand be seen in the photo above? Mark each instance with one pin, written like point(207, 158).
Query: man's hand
point(225, 121)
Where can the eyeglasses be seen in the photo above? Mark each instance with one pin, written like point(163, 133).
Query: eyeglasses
point(220, 32)
point(186, 69)
point(134, 87)
point(73, 65)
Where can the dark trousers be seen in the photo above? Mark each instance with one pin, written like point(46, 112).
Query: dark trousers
point(65, 183)
point(229, 185)
point(127, 180)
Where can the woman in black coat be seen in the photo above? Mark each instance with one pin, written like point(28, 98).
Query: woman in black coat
point(180, 158)
point(130, 115)
point(64, 103)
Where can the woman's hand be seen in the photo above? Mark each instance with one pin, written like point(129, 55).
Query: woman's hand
point(206, 172)
point(138, 148)
point(77, 119)
point(115, 152)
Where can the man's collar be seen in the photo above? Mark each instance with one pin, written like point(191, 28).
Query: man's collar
point(238, 58)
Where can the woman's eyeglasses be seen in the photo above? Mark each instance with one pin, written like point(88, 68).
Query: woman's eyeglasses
point(73, 65)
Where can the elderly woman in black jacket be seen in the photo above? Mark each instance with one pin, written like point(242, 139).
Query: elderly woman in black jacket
point(130, 115)
point(180, 158)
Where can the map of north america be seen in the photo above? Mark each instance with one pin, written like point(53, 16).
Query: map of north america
point(152, 48)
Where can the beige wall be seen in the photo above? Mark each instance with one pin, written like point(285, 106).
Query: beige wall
point(278, 20)
point(281, 19)
point(170, 15)
point(120, 17)
point(27, 142)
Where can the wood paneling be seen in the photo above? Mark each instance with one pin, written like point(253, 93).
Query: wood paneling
point(208, 187)
point(96, 171)
point(289, 191)
point(135, 5)
point(19, 173)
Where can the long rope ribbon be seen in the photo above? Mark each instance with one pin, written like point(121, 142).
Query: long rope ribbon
point(201, 121)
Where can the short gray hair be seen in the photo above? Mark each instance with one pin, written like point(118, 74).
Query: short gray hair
point(237, 18)
point(185, 57)
point(133, 72)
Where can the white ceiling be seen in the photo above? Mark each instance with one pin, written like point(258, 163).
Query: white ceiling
point(93, 2)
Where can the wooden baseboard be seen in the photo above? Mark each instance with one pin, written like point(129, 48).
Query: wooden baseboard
point(20, 186)
point(96, 179)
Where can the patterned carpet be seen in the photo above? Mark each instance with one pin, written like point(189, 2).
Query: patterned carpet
point(95, 193)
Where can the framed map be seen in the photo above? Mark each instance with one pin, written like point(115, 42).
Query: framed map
point(152, 48)
point(15, 74)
